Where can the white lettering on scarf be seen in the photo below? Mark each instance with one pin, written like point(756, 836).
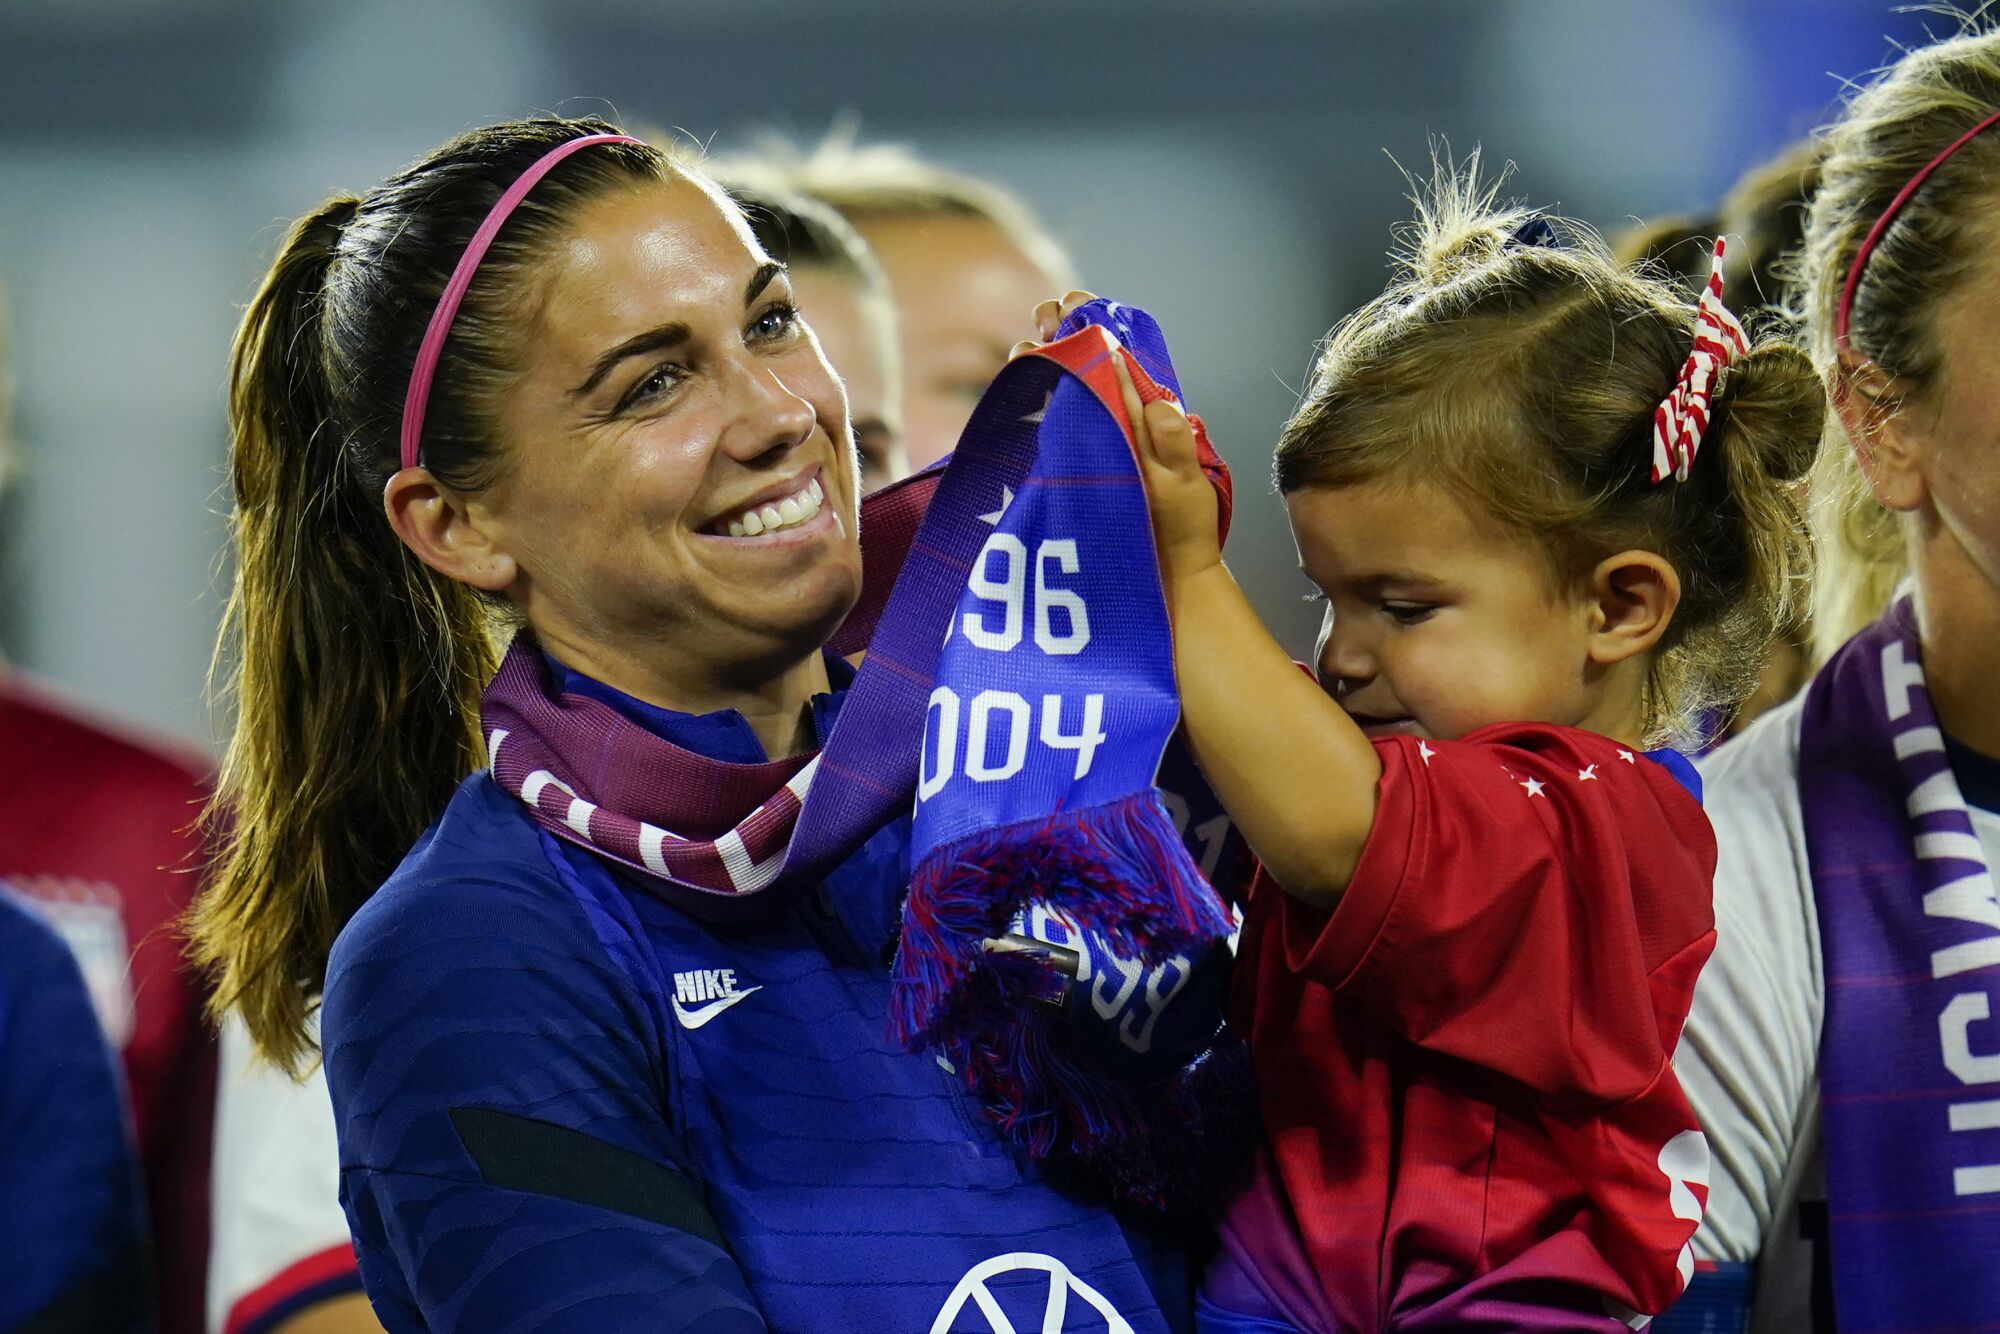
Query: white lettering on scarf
point(1967, 899)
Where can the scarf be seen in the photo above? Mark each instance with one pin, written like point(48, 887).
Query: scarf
point(1910, 933)
point(1038, 818)
point(1017, 641)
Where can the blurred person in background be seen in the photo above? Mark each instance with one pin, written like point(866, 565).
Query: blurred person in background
point(845, 298)
point(73, 1244)
point(1840, 1051)
point(101, 836)
point(1675, 247)
point(1764, 217)
point(281, 1258)
point(967, 264)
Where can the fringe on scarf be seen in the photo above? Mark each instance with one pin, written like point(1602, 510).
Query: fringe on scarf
point(1119, 872)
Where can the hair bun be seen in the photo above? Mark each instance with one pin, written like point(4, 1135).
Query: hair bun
point(1462, 226)
point(1773, 409)
point(1446, 247)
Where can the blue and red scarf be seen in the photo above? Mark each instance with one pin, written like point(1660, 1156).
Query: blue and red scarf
point(1910, 1055)
point(1019, 688)
point(1037, 810)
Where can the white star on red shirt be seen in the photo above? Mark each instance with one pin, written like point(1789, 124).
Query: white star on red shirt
point(1534, 787)
point(1587, 774)
point(1424, 750)
point(1626, 756)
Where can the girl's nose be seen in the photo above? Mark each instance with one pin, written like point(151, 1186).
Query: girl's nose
point(1345, 662)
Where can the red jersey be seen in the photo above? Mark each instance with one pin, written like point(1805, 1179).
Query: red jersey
point(1471, 1121)
point(100, 838)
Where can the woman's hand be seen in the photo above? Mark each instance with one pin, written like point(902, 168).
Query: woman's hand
point(1186, 529)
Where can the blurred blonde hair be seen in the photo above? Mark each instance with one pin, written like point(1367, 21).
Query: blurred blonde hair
point(1675, 246)
point(1764, 217)
point(873, 182)
point(1515, 363)
point(1890, 130)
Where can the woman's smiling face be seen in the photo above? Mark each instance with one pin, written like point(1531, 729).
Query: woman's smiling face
point(679, 477)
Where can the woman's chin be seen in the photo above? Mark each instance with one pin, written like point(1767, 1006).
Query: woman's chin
point(795, 615)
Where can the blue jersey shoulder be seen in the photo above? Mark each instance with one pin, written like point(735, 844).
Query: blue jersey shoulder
point(477, 974)
point(497, 1079)
point(564, 1104)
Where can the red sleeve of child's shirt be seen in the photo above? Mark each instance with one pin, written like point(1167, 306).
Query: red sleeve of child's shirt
point(1518, 892)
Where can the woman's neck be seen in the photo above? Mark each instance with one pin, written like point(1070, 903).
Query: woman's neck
point(1958, 611)
point(778, 705)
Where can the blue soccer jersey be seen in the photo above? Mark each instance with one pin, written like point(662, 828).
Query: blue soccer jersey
point(72, 1244)
point(565, 1105)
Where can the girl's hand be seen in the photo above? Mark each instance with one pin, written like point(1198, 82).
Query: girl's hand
point(1186, 528)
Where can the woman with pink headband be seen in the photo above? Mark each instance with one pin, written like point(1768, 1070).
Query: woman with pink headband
point(600, 1056)
point(1843, 1053)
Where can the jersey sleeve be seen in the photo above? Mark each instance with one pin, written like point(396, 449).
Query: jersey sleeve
point(72, 1239)
point(280, 1244)
point(1532, 899)
point(508, 1157)
point(1750, 1056)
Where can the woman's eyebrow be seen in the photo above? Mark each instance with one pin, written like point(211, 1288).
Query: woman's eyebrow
point(653, 340)
point(761, 279)
point(667, 335)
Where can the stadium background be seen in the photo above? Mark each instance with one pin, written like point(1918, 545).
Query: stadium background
point(1230, 165)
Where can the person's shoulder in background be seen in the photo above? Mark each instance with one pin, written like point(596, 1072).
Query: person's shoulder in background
point(1748, 1058)
point(281, 1258)
point(72, 1240)
point(103, 837)
point(106, 750)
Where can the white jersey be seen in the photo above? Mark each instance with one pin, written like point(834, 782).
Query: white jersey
point(280, 1241)
point(1749, 1055)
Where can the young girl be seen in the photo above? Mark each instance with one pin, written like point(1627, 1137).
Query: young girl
point(1547, 505)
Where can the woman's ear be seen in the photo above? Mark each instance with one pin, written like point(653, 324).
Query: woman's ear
point(1633, 595)
point(442, 529)
point(1870, 404)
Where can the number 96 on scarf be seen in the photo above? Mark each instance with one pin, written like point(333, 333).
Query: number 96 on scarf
point(1008, 592)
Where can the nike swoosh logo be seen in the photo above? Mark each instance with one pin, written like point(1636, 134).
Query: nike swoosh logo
point(701, 1014)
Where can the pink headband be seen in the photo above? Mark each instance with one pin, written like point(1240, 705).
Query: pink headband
point(428, 352)
point(1681, 419)
point(1846, 308)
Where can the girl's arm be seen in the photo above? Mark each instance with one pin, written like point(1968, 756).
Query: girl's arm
point(1294, 772)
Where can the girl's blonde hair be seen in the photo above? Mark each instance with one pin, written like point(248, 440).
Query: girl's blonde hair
point(1890, 130)
point(1515, 363)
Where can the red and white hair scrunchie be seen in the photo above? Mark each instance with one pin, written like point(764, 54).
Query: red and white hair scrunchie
point(1682, 417)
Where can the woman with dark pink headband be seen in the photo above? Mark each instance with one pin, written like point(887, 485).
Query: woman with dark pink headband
point(600, 1056)
point(1843, 1053)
